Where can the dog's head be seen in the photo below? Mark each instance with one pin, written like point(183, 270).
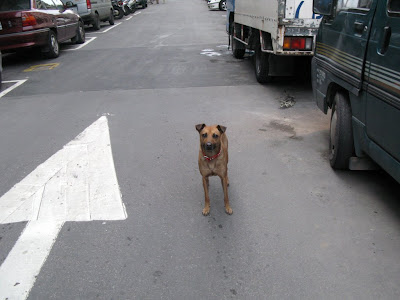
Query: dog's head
point(210, 137)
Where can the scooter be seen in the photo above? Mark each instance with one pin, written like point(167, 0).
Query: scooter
point(129, 6)
point(118, 6)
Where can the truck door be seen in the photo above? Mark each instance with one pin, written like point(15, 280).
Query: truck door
point(383, 67)
point(344, 42)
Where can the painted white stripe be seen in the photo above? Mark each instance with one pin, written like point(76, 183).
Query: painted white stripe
point(88, 40)
point(137, 13)
point(18, 272)
point(78, 183)
point(111, 27)
point(14, 86)
point(127, 19)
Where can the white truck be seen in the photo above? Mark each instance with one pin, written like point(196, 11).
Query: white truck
point(281, 32)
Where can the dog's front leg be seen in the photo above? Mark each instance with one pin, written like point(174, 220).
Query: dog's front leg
point(206, 209)
point(225, 183)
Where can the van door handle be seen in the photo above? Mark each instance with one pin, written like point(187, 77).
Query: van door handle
point(359, 27)
point(387, 33)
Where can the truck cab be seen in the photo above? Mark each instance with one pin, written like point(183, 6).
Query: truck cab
point(356, 76)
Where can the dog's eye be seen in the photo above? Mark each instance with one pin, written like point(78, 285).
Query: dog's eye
point(215, 136)
point(204, 135)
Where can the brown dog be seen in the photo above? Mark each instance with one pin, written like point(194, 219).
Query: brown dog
point(213, 160)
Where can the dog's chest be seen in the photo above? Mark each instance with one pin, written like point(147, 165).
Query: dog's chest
point(210, 168)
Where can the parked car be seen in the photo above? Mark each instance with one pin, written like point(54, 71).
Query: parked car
point(129, 6)
point(141, 3)
point(38, 23)
point(216, 4)
point(356, 73)
point(1, 70)
point(92, 12)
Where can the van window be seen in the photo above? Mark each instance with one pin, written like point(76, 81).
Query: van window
point(353, 4)
point(45, 4)
point(394, 6)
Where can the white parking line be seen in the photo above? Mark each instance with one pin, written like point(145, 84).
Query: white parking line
point(129, 18)
point(111, 27)
point(88, 40)
point(137, 13)
point(14, 86)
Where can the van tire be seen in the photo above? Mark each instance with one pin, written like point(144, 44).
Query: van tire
point(96, 22)
point(238, 50)
point(52, 50)
point(111, 18)
point(341, 144)
point(261, 66)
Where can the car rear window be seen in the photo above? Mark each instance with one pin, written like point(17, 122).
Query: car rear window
point(10, 5)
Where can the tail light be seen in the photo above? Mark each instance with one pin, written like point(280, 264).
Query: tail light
point(297, 43)
point(28, 20)
point(89, 5)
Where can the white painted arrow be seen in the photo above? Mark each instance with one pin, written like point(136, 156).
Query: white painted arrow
point(78, 183)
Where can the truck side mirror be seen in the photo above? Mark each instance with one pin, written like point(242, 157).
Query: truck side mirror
point(323, 7)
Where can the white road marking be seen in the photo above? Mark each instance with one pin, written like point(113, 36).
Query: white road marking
point(14, 86)
point(129, 18)
point(111, 27)
point(78, 183)
point(137, 13)
point(88, 40)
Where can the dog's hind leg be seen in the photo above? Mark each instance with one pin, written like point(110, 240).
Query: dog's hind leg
point(206, 210)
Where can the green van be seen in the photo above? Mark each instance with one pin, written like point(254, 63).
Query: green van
point(356, 73)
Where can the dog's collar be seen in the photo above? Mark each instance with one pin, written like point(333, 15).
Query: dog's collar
point(212, 157)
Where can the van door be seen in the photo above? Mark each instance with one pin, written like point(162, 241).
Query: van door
point(383, 67)
point(344, 42)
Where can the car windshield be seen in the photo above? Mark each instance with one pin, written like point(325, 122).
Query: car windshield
point(10, 5)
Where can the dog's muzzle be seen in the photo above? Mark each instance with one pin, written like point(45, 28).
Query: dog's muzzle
point(209, 146)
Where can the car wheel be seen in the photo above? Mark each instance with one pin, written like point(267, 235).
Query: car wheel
point(111, 18)
point(53, 47)
point(341, 143)
point(96, 22)
point(237, 48)
point(222, 5)
point(261, 66)
point(80, 34)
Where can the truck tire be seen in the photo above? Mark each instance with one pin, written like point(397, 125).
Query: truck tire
point(261, 66)
point(111, 17)
point(341, 142)
point(238, 50)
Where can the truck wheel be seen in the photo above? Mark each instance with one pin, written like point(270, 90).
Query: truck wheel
point(53, 47)
point(341, 133)
point(96, 22)
point(237, 49)
point(261, 66)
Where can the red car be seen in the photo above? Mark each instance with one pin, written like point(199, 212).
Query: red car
point(38, 23)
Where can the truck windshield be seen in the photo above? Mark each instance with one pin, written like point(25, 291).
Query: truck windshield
point(11, 5)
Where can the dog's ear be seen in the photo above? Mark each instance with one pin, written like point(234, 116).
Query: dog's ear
point(199, 127)
point(221, 129)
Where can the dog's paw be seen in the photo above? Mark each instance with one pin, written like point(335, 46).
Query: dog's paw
point(228, 210)
point(206, 211)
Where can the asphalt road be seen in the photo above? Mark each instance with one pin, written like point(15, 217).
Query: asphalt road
point(299, 230)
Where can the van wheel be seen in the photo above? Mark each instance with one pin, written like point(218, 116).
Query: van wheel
point(261, 66)
point(53, 47)
point(341, 143)
point(111, 18)
point(96, 22)
point(80, 34)
point(238, 50)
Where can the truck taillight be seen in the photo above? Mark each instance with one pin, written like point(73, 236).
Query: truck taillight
point(297, 43)
point(89, 5)
point(28, 20)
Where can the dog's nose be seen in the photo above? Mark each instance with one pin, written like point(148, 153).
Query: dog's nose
point(208, 146)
